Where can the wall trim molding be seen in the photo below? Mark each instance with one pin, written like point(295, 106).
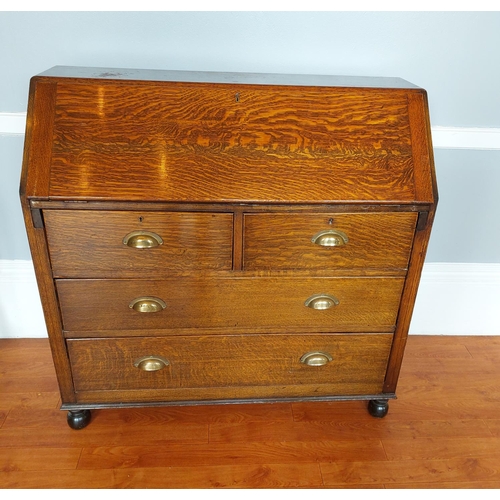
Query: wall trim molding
point(12, 123)
point(465, 138)
point(442, 137)
point(458, 299)
point(453, 299)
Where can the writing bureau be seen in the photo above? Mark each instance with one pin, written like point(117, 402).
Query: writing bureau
point(206, 238)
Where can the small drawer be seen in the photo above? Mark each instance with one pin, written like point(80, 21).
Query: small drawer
point(236, 366)
point(328, 241)
point(91, 243)
point(240, 304)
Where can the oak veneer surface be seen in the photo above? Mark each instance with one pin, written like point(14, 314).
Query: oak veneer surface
point(283, 241)
point(213, 146)
point(365, 304)
point(443, 431)
point(347, 139)
point(190, 241)
point(234, 367)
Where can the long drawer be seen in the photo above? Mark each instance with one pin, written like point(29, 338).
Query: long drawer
point(270, 304)
point(91, 243)
point(328, 241)
point(235, 366)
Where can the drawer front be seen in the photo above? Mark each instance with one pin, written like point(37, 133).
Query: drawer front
point(89, 243)
point(212, 367)
point(328, 241)
point(271, 304)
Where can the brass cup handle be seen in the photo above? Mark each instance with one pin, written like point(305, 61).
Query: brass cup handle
point(142, 239)
point(316, 358)
point(330, 238)
point(151, 363)
point(321, 302)
point(147, 304)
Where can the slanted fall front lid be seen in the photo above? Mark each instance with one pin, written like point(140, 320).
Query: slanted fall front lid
point(205, 141)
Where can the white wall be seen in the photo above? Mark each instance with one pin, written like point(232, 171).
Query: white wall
point(453, 55)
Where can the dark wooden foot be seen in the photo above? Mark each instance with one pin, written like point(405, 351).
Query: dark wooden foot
point(78, 419)
point(378, 407)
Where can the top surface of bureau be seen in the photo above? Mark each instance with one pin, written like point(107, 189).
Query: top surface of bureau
point(223, 137)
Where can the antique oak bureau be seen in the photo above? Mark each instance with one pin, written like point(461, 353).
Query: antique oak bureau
point(206, 238)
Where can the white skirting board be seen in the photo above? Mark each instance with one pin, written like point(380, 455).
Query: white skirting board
point(453, 299)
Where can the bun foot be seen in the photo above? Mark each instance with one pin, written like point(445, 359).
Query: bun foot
point(378, 407)
point(78, 419)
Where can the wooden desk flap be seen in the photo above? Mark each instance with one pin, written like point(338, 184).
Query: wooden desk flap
point(203, 142)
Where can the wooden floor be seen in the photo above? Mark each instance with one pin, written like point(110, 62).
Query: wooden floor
point(443, 431)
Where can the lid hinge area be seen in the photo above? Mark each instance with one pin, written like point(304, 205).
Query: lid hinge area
point(37, 218)
point(422, 220)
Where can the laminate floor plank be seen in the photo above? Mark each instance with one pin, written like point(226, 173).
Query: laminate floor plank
point(412, 471)
point(38, 459)
point(433, 349)
point(201, 414)
point(370, 428)
point(428, 448)
point(36, 366)
point(465, 485)
point(484, 351)
point(49, 428)
point(328, 411)
point(229, 453)
point(226, 476)
point(33, 400)
point(58, 479)
point(443, 431)
point(407, 408)
point(494, 425)
point(443, 408)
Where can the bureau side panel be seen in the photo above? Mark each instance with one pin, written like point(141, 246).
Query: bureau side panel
point(423, 159)
point(35, 182)
point(37, 157)
point(408, 298)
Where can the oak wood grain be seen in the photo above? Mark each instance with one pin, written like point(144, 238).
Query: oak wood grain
point(190, 241)
point(409, 295)
point(277, 304)
point(41, 263)
point(35, 175)
point(212, 146)
point(283, 241)
point(233, 364)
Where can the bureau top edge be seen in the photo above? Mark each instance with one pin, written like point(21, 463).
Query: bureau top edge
point(129, 74)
